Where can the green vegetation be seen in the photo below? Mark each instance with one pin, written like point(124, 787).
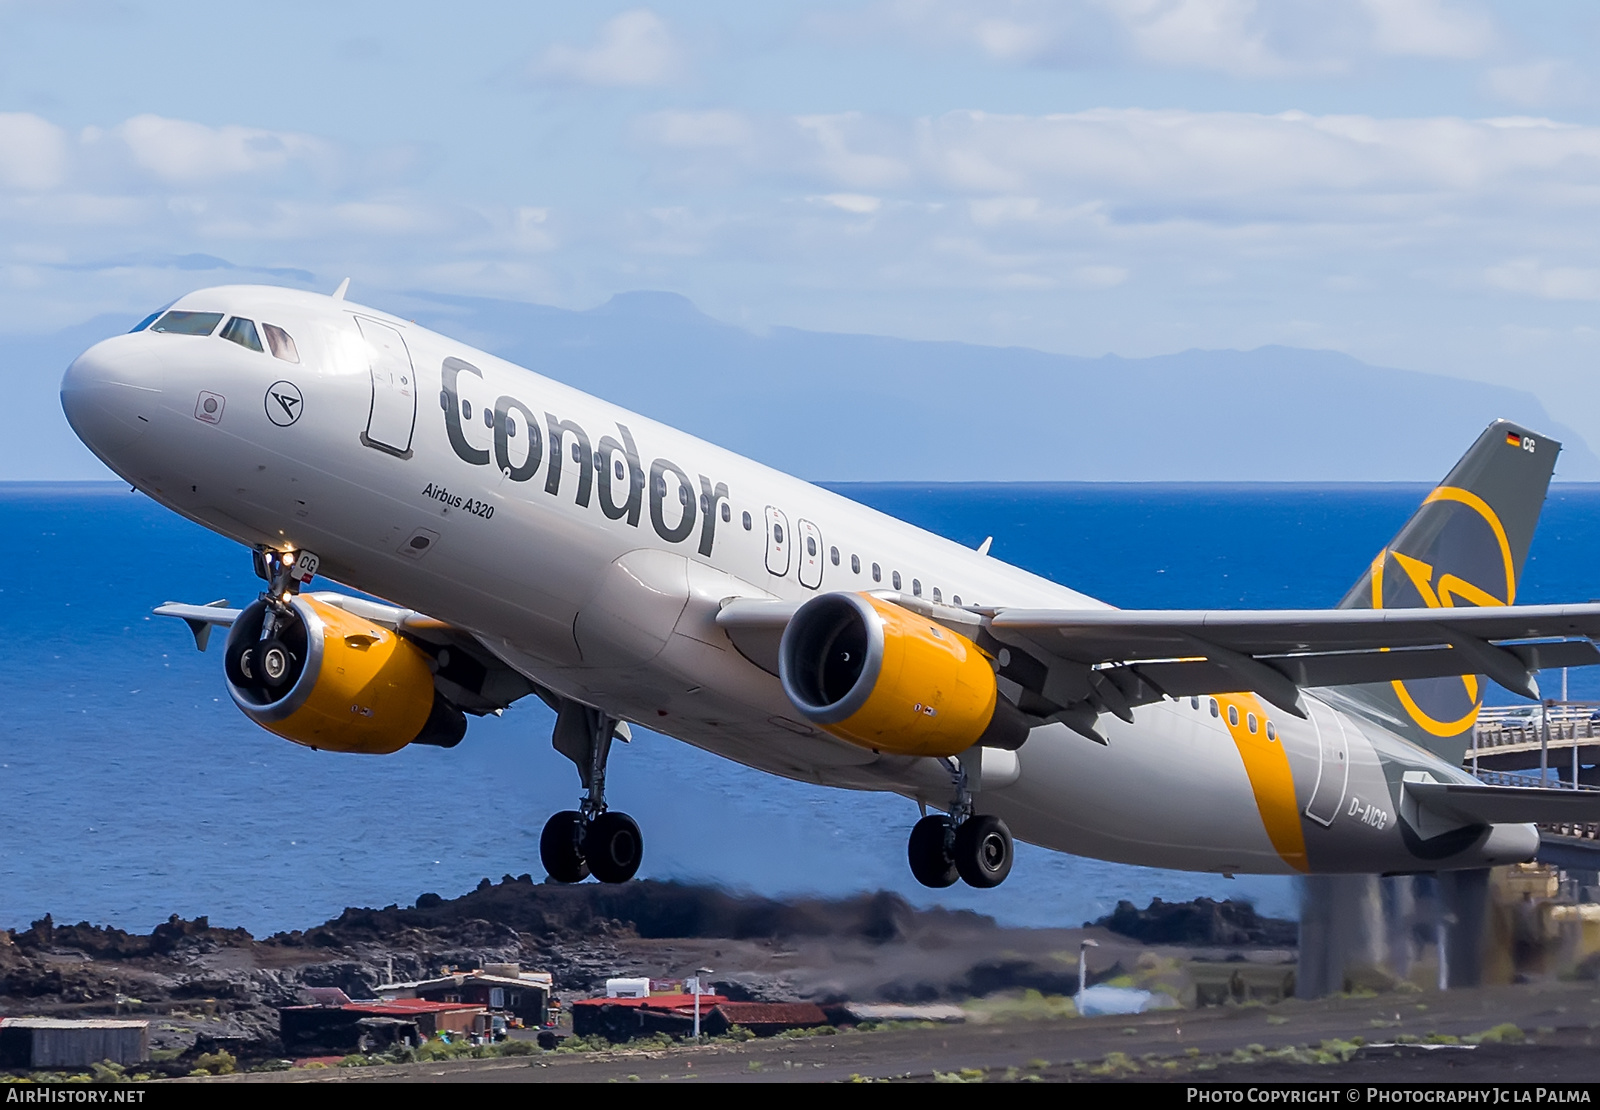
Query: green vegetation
point(221, 1062)
point(1030, 1005)
point(1504, 1033)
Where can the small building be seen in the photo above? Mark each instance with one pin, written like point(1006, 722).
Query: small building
point(367, 1026)
point(624, 1019)
point(30, 1042)
point(764, 1019)
point(503, 988)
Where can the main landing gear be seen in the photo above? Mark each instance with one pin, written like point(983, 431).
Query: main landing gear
point(590, 840)
point(974, 847)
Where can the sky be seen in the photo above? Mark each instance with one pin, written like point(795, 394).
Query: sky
point(1411, 182)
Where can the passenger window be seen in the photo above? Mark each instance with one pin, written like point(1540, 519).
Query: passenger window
point(1194, 703)
point(916, 587)
point(466, 409)
point(188, 323)
point(833, 555)
point(511, 427)
point(877, 573)
point(777, 533)
point(936, 596)
point(1272, 733)
point(1251, 721)
point(746, 516)
point(1213, 707)
point(811, 547)
point(488, 418)
point(1233, 716)
point(855, 564)
point(622, 472)
point(956, 600)
point(281, 342)
point(577, 457)
point(726, 515)
point(896, 577)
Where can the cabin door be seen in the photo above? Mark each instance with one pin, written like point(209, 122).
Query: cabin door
point(392, 419)
point(1333, 771)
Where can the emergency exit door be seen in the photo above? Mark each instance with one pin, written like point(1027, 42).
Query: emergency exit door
point(392, 419)
point(778, 541)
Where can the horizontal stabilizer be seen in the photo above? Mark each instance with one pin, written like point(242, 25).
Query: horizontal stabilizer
point(1505, 805)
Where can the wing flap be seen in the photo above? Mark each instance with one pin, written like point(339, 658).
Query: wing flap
point(1188, 677)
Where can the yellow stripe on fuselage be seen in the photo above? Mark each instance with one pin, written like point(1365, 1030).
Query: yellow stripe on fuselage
point(1271, 780)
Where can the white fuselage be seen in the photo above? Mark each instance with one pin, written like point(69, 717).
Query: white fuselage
point(576, 574)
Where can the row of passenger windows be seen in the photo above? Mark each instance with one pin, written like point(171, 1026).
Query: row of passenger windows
point(237, 330)
point(1233, 717)
point(855, 561)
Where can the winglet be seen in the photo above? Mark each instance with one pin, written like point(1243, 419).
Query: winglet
point(983, 548)
point(344, 287)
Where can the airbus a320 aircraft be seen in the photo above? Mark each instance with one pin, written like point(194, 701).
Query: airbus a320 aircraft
point(536, 540)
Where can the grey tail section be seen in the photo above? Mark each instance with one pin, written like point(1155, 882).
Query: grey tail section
point(1465, 545)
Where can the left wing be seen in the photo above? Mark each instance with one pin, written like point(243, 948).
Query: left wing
point(1144, 654)
point(1072, 664)
point(469, 675)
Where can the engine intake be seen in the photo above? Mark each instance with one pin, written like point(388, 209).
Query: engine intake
point(334, 681)
point(878, 675)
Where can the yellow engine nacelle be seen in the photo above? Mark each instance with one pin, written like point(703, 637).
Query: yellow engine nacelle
point(341, 682)
point(878, 675)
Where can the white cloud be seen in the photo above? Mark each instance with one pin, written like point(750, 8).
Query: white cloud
point(184, 153)
point(633, 49)
point(32, 151)
point(1557, 283)
point(1225, 35)
point(1536, 84)
point(1241, 38)
point(1217, 165)
point(696, 129)
point(857, 204)
point(1429, 28)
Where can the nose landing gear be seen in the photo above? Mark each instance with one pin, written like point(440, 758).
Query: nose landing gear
point(975, 848)
point(590, 840)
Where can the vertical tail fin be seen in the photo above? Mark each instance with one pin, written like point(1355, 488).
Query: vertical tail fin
point(1465, 545)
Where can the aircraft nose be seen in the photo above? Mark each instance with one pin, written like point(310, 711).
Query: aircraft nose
point(110, 392)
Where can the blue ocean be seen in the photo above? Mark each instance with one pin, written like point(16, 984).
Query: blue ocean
point(131, 789)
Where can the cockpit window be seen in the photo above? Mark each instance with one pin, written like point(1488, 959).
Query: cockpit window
point(188, 323)
point(242, 332)
point(150, 319)
point(281, 342)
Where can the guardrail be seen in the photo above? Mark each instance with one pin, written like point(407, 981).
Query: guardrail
point(1566, 725)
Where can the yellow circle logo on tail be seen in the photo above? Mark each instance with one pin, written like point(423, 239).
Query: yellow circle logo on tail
point(1464, 559)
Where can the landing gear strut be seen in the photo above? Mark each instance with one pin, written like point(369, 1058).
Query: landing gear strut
point(590, 840)
point(975, 847)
